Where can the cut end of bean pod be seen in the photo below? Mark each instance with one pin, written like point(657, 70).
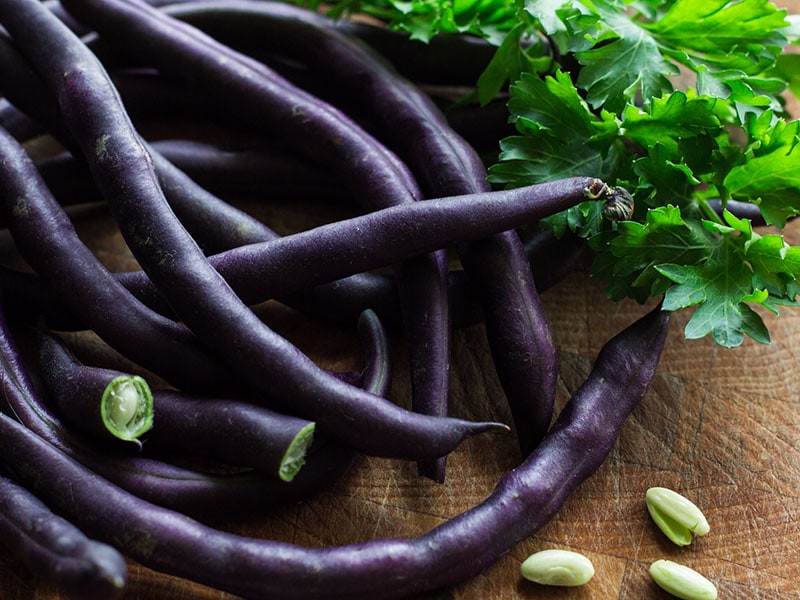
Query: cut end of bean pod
point(557, 567)
point(295, 456)
point(682, 581)
point(676, 516)
point(127, 407)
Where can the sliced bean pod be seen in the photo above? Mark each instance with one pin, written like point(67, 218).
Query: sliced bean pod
point(265, 361)
point(519, 335)
point(230, 431)
point(524, 500)
point(105, 403)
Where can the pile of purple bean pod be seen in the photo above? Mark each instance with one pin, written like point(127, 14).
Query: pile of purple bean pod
point(318, 109)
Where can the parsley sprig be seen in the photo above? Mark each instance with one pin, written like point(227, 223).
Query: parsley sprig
point(598, 93)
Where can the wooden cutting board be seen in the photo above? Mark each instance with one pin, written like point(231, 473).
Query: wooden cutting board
point(720, 426)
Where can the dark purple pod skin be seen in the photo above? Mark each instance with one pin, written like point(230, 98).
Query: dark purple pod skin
point(377, 373)
point(519, 335)
point(525, 499)
point(56, 551)
point(376, 176)
point(264, 360)
point(226, 430)
point(204, 495)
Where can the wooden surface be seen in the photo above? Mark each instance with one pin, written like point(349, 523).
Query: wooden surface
point(720, 426)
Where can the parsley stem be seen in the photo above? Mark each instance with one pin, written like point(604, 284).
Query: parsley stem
point(708, 211)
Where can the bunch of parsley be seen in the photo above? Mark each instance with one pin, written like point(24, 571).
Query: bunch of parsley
point(679, 101)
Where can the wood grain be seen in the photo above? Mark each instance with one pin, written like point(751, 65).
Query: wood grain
point(720, 426)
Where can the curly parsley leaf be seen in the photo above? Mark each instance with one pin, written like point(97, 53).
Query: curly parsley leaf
point(614, 72)
point(769, 174)
point(667, 152)
point(558, 134)
point(723, 34)
point(637, 48)
point(592, 91)
point(721, 287)
point(628, 259)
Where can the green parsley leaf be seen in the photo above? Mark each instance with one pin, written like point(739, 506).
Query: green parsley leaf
point(614, 73)
point(556, 126)
point(710, 30)
point(671, 119)
point(719, 288)
point(630, 259)
point(769, 175)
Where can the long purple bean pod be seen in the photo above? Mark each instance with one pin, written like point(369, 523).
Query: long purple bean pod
point(292, 263)
point(105, 403)
point(524, 500)
point(47, 239)
point(204, 495)
point(232, 431)
point(56, 551)
point(519, 335)
point(264, 360)
point(377, 178)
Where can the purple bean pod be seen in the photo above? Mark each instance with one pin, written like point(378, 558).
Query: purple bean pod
point(56, 551)
point(376, 176)
point(264, 360)
point(519, 335)
point(524, 500)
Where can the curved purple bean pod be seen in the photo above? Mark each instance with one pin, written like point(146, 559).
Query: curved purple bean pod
point(270, 102)
point(407, 120)
point(377, 373)
point(203, 495)
point(524, 500)
point(56, 551)
point(48, 241)
point(231, 431)
point(264, 360)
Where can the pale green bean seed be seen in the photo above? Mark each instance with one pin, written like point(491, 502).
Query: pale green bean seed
point(557, 567)
point(676, 516)
point(682, 581)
